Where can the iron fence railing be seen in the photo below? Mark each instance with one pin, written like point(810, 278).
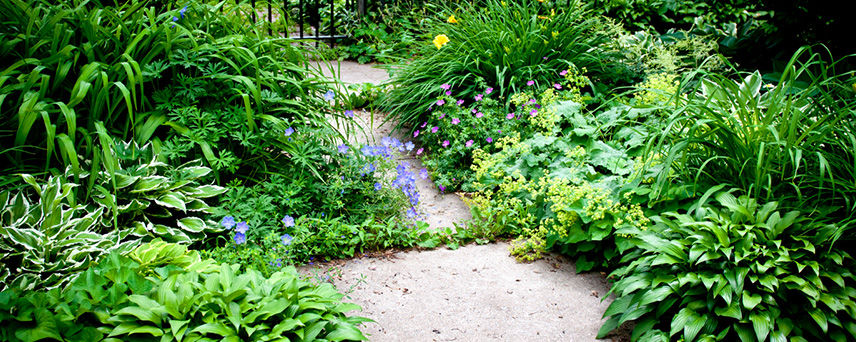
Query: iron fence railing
point(313, 13)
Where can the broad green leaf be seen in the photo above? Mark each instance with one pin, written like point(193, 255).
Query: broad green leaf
point(750, 300)
point(345, 332)
point(172, 200)
point(762, 324)
point(192, 224)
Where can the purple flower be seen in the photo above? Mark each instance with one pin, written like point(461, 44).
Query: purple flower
point(530, 83)
point(533, 112)
point(329, 95)
point(479, 97)
point(409, 146)
point(416, 134)
point(510, 116)
point(489, 139)
point(557, 86)
point(563, 73)
point(242, 227)
point(228, 222)
point(286, 240)
point(445, 143)
point(474, 111)
point(488, 91)
point(442, 188)
point(434, 129)
point(423, 173)
point(377, 186)
point(424, 124)
point(479, 114)
point(183, 9)
point(289, 131)
point(469, 143)
point(240, 238)
point(460, 102)
point(419, 151)
point(455, 121)
point(288, 221)
point(349, 113)
point(174, 19)
point(449, 93)
point(441, 102)
point(446, 86)
point(343, 148)
point(411, 213)
point(442, 115)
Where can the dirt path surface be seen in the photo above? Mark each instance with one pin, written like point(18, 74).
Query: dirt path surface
point(474, 293)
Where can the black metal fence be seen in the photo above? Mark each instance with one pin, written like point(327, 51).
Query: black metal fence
point(320, 15)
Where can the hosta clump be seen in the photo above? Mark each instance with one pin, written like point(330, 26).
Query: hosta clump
point(735, 270)
point(155, 199)
point(165, 292)
point(46, 240)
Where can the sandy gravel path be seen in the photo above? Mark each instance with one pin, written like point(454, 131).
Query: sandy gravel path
point(474, 293)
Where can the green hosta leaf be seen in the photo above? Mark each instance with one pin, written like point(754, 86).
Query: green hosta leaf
point(285, 326)
point(819, 317)
point(345, 332)
point(141, 314)
point(206, 191)
point(134, 328)
point(215, 328)
point(762, 324)
point(689, 321)
point(732, 311)
point(750, 300)
point(150, 183)
point(172, 200)
point(178, 327)
point(192, 224)
point(194, 172)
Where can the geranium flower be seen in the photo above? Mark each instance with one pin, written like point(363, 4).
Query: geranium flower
point(416, 134)
point(445, 143)
point(424, 124)
point(489, 139)
point(479, 114)
point(441, 102)
point(557, 86)
point(510, 116)
point(479, 97)
point(533, 112)
point(377, 186)
point(349, 113)
point(240, 238)
point(289, 131)
point(455, 121)
point(442, 115)
point(446, 86)
point(286, 240)
point(449, 93)
point(563, 73)
point(434, 129)
point(343, 148)
point(530, 83)
point(440, 40)
point(419, 151)
point(409, 146)
point(488, 91)
point(288, 221)
point(460, 102)
point(329, 95)
point(242, 227)
point(423, 173)
point(469, 143)
point(228, 222)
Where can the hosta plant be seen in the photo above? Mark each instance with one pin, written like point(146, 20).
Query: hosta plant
point(46, 240)
point(734, 270)
point(178, 300)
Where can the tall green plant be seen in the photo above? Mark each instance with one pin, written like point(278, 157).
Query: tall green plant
point(791, 141)
point(496, 45)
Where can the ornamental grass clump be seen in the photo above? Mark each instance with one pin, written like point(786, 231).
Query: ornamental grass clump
point(494, 46)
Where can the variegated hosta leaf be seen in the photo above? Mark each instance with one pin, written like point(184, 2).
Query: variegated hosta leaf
point(150, 183)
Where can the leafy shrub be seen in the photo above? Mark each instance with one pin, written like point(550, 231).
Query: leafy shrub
point(497, 45)
point(453, 131)
point(790, 141)
point(738, 269)
point(197, 301)
point(72, 68)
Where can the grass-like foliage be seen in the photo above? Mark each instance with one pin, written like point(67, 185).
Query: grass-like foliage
point(163, 292)
point(734, 269)
point(497, 45)
point(792, 141)
point(68, 67)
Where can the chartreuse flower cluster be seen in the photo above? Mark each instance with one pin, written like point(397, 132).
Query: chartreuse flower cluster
point(657, 89)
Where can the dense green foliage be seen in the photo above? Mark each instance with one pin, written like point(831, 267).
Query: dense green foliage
point(163, 291)
point(499, 45)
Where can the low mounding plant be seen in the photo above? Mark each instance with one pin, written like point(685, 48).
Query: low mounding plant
point(163, 292)
point(497, 45)
point(734, 270)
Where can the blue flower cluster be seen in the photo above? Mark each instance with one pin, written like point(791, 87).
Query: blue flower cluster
point(406, 181)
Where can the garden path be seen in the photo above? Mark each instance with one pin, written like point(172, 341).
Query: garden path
point(474, 293)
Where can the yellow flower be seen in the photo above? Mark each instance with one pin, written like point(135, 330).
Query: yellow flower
point(440, 40)
point(452, 19)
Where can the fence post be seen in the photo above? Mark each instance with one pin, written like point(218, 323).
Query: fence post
point(361, 8)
